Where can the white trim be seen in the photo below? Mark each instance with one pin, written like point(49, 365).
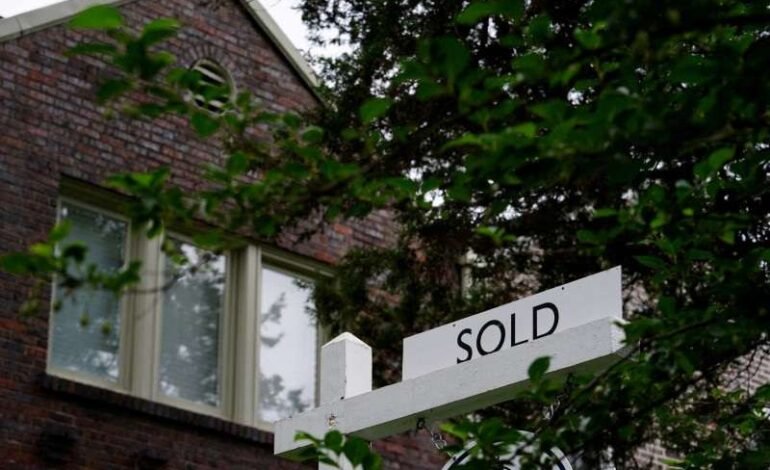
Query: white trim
point(255, 332)
point(144, 312)
point(472, 385)
point(51, 15)
point(282, 42)
point(35, 20)
point(223, 340)
point(289, 268)
point(141, 320)
point(86, 378)
point(122, 383)
point(296, 264)
point(246, 361)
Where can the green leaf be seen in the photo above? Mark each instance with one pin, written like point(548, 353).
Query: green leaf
point(374, 108)
point(237, 164)
point(531, 65)
point(204, 124)
point(76, 252)
point(16, 263)
point(459, 190)
point(292, 120)
point(588, 39)
point(538, 368)
point(356, 450)
point(652, 262)
point(699, 255)
point(60, 231)
point(333, 441)
point(106, 329)
point(589, 237)
point(684, 362)
point(334, 170)
point(667, 305)
point(539, 28)
point(526, 129)
point(209, 239)
point(372, 462)
point(605, 212)
point(714, 162)
point(159, 29)
point(552, 110)
point(92, 48)
point(450, 56)
point(479, 10)
point(690, 70)
point(102, 17)
point(476, 11)
point(112, 89)
point(42, 249)
point(313, 135)
point(728, 236)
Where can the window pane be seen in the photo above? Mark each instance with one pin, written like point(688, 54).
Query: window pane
point(193, 300)
point(287, 353)
point(85, 331)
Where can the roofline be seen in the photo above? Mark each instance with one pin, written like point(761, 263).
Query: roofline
point(282, 42)
point(35, 20)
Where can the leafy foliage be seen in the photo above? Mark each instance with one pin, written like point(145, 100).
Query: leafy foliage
point(334, 449)
point(560, 138)
point(552, 139)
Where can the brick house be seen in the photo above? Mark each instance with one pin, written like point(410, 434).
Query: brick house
point(129, 388)
point(133, 383)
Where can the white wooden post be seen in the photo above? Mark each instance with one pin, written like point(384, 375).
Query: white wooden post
point(346, 371)
point(466, 365)
point(455, 390)
point(346, 368)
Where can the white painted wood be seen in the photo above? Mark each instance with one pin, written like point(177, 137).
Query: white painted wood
point(144, 309)
point(346, 368)
point(346, 371)
point(515, 324)
point(282, 42)
point(246, 306)
point(457, 390)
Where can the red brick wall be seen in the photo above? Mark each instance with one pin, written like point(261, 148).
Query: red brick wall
point(50, 129)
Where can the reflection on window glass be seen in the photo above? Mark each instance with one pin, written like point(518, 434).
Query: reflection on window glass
point(192, 306)
point(287, 353)
point(85, 329)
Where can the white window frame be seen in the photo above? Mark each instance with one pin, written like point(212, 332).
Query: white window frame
point(121, 384)
point(278, 262)
point(224, 362)
point(141, 323)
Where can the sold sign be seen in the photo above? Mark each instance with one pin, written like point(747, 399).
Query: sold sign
point(516, 323)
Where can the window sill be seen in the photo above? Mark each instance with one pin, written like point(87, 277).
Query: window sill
point(81, 391)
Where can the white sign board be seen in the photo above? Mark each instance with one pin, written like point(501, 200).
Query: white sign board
point(515, 324)
point(465, 366)
point(452, 391)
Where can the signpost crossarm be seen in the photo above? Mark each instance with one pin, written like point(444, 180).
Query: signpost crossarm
point(456, 390)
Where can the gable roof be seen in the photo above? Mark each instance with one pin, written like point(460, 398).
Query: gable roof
point(41, 18)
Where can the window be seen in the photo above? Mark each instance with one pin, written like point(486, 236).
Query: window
point(231, 335)
point(287, 334)
point(191, 318)
point(214, 88)
point(85, 332)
